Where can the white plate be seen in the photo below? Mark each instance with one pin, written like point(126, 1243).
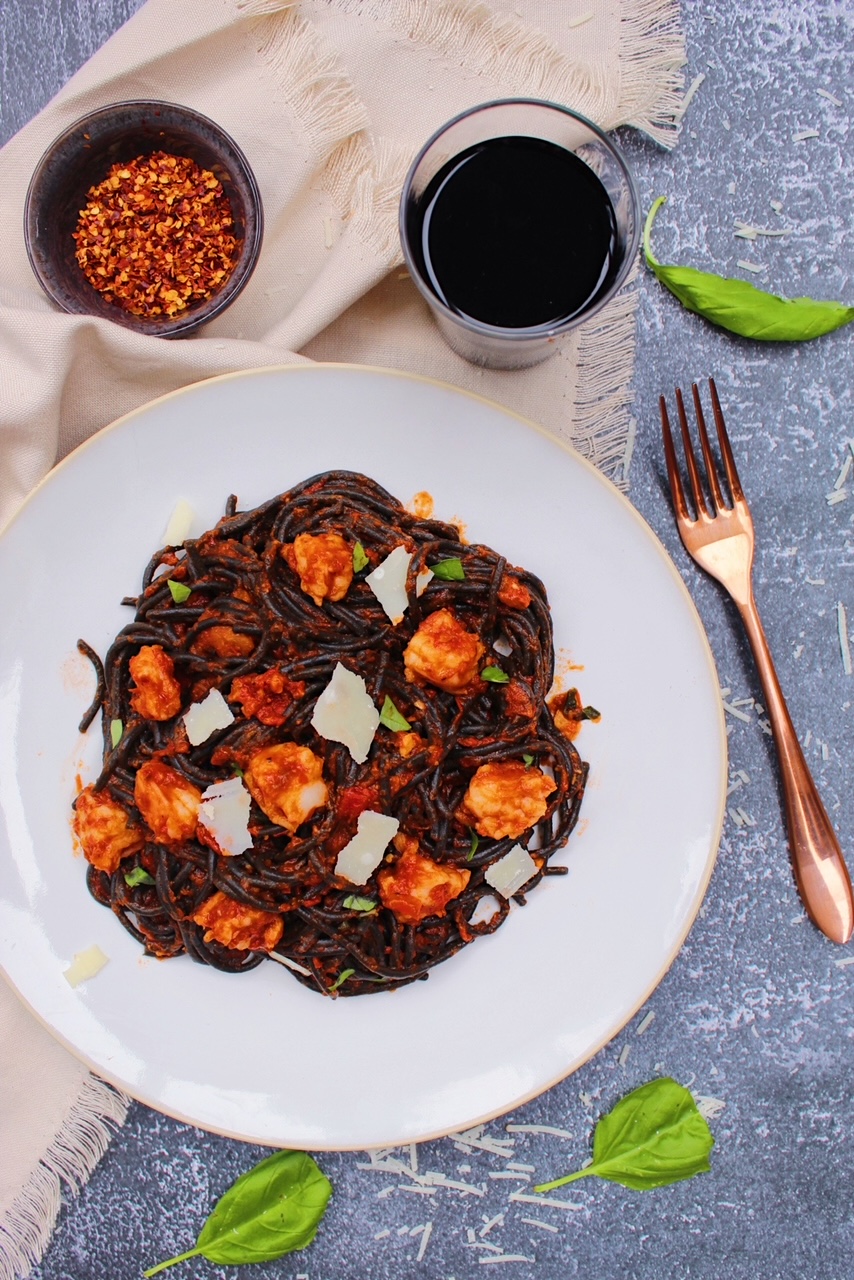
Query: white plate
point(258, 1056)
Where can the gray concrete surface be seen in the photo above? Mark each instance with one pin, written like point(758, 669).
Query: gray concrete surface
point(757, 1009)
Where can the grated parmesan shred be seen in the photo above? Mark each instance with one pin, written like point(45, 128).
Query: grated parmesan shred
point(709, 1108)
point(679, 113)
point(520, 1197)
point(538, 1128)
point(426, 1232)
point(842, 629)
point(508, 1257)
point(735, 711)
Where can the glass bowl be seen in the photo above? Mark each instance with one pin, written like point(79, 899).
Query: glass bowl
point(82, 156)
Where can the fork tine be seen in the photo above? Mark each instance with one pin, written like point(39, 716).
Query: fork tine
point(711, 467)
point(693, 471)
point(676, 491)
point(726, 452)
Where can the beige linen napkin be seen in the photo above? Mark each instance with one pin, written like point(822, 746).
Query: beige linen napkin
point(329, 99)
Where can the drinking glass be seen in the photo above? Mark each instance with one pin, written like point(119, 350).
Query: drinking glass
point(490, 345)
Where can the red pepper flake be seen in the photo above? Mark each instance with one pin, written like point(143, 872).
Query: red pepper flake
point(156, 236)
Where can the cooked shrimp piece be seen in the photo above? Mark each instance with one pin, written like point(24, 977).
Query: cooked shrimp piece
point(157, 695)
point(266, 696)
point(505, 798)
point(415, 887)
point(324, 562)
point(237, 926)
point(519, 700)
point(445, 654)
point(168, 802)
point(222, 641)
point(286, 781)
point(104, 830)
point(513, 593)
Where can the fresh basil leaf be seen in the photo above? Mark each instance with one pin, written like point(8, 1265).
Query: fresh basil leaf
point(138, 875)
point(236, 770)
point(495, 675)
point(180, 591)
point(391, 717)
point(116, 731)
point(737, 305)
point(528, 759)
point(590, 713)
point(475, 841)
point(271, 1210)
point(342, 978)
point(355, 903)
point(449, 570)
point(360, 559)
point(653, 1136)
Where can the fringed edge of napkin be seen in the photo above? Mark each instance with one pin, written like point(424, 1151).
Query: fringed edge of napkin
point(652, 55)
point(604, 393)
point(69, 1161)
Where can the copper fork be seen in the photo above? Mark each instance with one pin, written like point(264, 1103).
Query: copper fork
point(721, 540)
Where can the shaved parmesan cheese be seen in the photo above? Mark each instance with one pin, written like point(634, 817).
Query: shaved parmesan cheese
point(180, 522)
point(345, 713)
point(365, 851)
point(510, 873)
point(422, 581)
point(388, 583)
point(224, 814)
point(206, 717)
point(85, 965)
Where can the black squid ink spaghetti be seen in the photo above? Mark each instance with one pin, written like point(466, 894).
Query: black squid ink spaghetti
point(327, 742)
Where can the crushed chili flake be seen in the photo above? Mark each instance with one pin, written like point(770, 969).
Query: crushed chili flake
point(156, 236)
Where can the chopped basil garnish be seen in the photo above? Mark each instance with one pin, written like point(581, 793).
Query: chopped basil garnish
point(391, 718)
point(495, 675)
point(355, 903)
point(529, 760)
point(236, 770)
point(360, 560)
point(138, 875)
point(116, 731)
point(590, 713)
point(474, 843)
point(342, 977)
point(449, 570)
point(571, 701)
point(180, 591)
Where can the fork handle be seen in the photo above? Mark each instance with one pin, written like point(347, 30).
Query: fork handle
point(820, 872)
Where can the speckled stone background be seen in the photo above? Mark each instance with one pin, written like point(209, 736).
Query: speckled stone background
point(756, 1012)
